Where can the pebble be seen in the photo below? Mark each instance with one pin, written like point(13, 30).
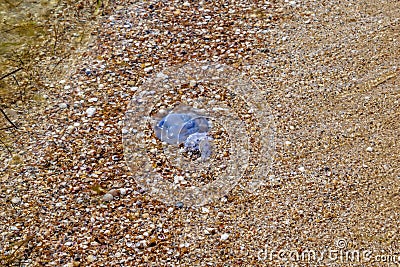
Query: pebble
point(224, 237)
point(178, 179)
point(63, 105)
point(90, 111)
point(148, 69)
point(370, 149)
point(108, 197)
point(16, 200)
point(159, 75)
point(93, 99)
point(91, 258)
point(122, 191)
point(302, 169)
point(141, 244)
point(205, 210)
point(179, 205)
point(113, 192)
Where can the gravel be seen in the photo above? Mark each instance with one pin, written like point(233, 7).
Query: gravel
point(328, 70)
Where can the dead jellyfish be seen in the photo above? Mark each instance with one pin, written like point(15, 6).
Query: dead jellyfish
point(189, 129)
point(199, 142)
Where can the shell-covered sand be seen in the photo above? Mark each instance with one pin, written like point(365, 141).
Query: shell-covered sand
point(328, 73)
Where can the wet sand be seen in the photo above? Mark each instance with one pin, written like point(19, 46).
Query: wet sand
point(329, 75)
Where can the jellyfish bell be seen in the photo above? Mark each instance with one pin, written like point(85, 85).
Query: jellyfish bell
point(179, 124)
point(171, 129)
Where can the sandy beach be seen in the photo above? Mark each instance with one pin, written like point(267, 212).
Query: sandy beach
point(324, 79)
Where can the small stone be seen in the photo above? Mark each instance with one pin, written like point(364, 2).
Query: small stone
point(148, 69)
point(224, 237)
point(205, 210)
point(179, 205)
point(122, 191)
point(370, 149)
point(69, 243)
point(141, 244)
point(192, 83)
point(272, 178)
point(63, 105)
point(16, 200)
point(113, 192)
point(159, 75)
point(178, 179)
point(288, 143)
point(90, 111)
point(93, 99)
point(108, 197)
point(302, 169)
point(171, 209)
point(91, 258)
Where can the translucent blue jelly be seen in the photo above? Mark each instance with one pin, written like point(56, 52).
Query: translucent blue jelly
point(175, 128)
point(188, 128)
point(199, 142)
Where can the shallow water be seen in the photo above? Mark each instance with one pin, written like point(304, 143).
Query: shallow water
point(40, 39)
point(21, 25)
point(39, 43)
